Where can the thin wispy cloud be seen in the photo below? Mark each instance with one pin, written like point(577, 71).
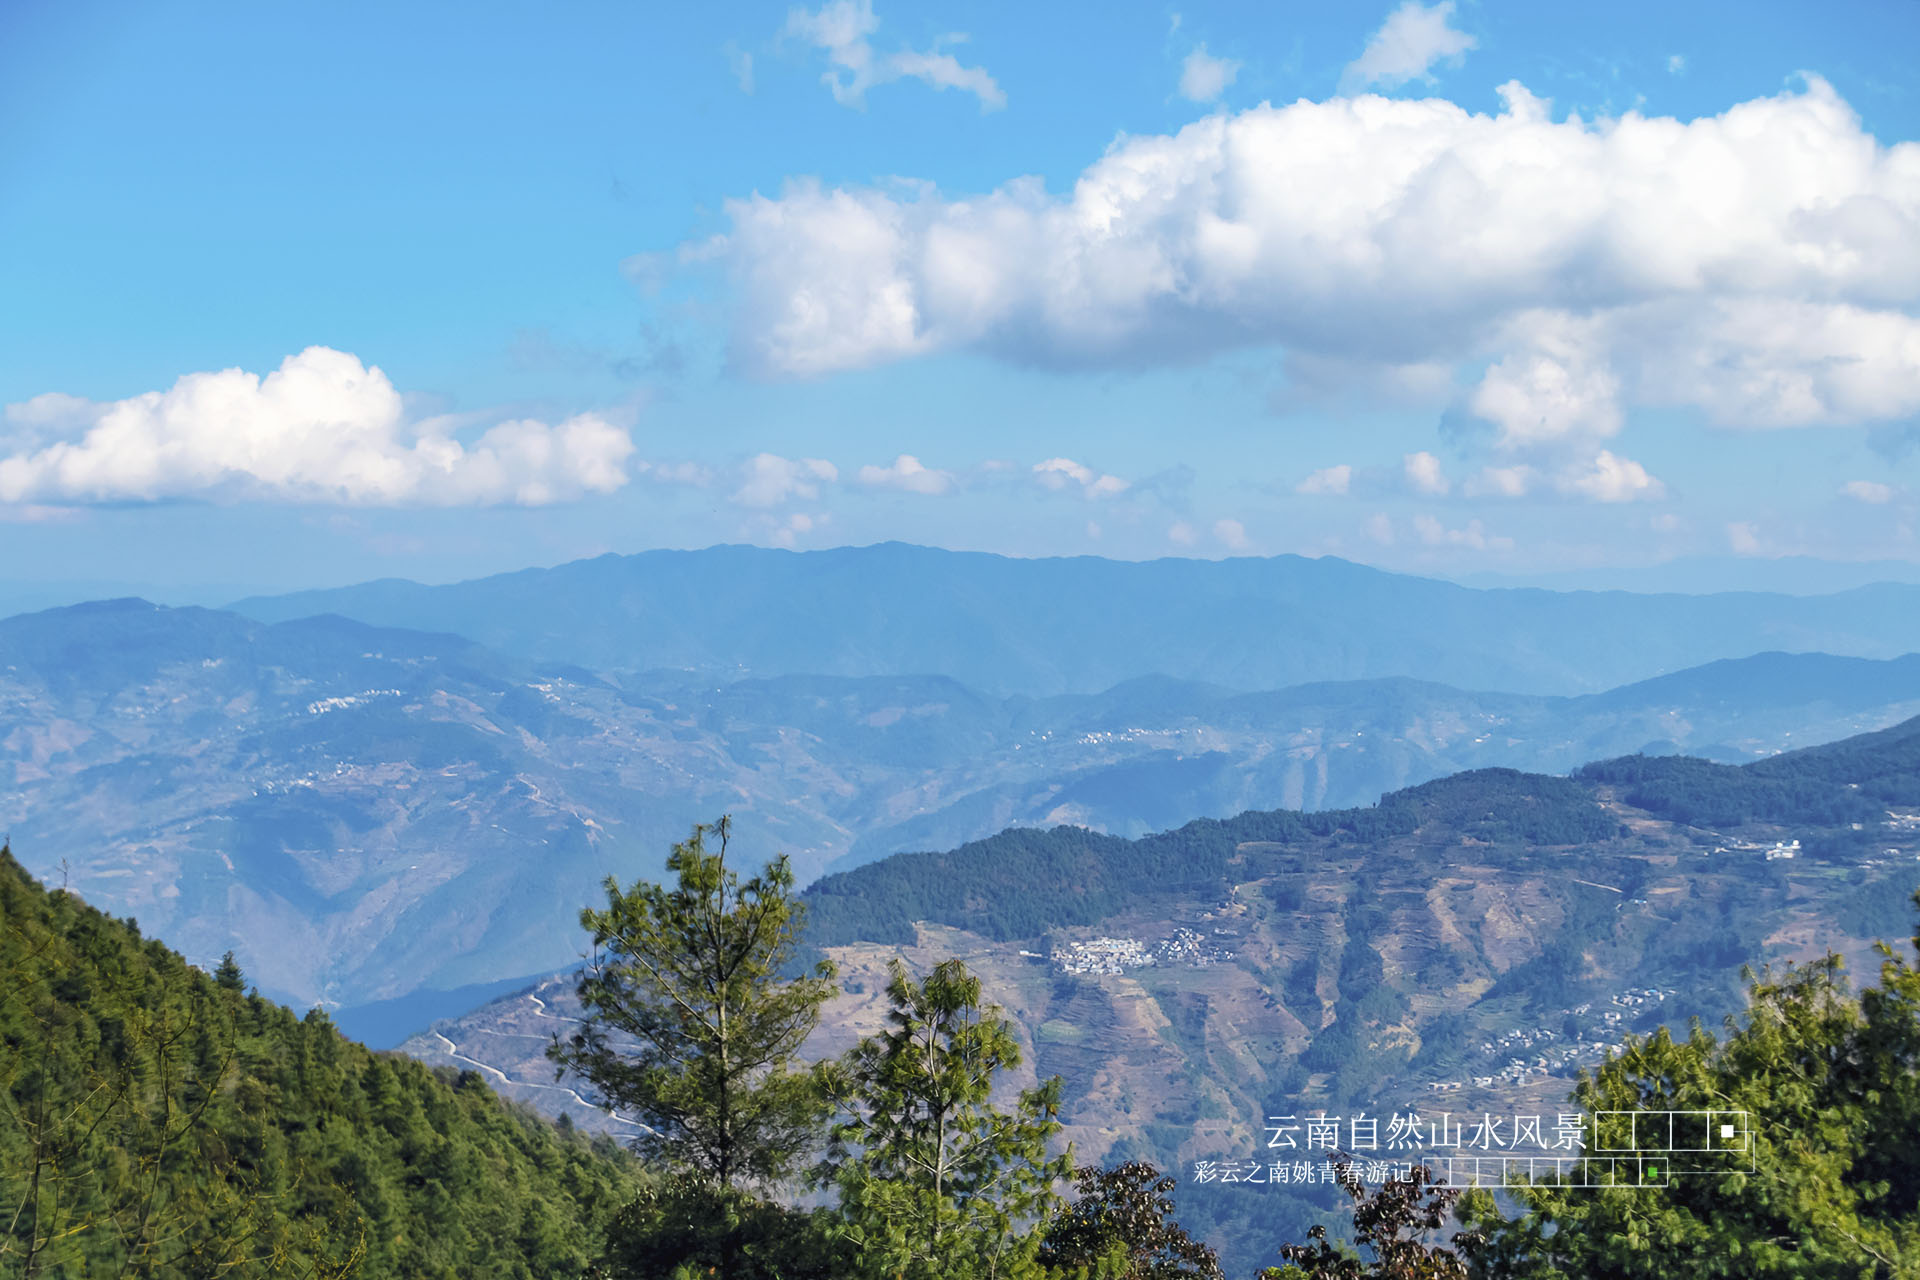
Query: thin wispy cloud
point(740, 63)
point(843, 31)
point(1328, 480)
point(1503, 482)
point(693, 475)
point(767, 479)
point(1869, 491)
point(1413, 40)
point(1472, 535)
point(1203, 77)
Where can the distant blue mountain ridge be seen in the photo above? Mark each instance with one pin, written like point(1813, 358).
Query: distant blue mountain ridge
point(1082, 625)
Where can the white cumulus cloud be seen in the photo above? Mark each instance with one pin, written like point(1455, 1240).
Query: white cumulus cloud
point(789, 530)
point(908, 473)
point(1761, 266)
point(322, 428)
point(767, 479)
point(1602, 477)
point(1424, 474)
point(1232, 534)
point(1409, 44)
point(1606, 478)
point(1557, 384)
point(841, 29)
point(1204, 77)
point(1778, 362)
point(50, 412)
point(1869, 491)
point(1062, 473)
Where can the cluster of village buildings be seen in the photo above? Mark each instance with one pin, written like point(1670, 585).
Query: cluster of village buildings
point(325, 705)
point(1555, 1051)
point(1904, 823)
point(1183, 946)
point(1907, 823)
point(1772, 852)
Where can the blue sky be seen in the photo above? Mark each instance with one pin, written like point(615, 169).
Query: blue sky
point(300, 294)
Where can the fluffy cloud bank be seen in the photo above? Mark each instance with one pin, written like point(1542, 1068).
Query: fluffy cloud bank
point(320, 428)
point(1761, 265)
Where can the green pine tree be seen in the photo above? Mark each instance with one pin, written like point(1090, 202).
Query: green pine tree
point(1830, 1081)
point(689, 1026)
point(1121, 1227)
point(228, 976)
point(934, 1180)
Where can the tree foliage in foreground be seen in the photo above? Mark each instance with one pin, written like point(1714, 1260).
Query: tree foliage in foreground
point(689, 1026)
point(686, 1227)
point(935, 1180)
point(1397, 1226)
point(156, 1121)
point(1831, 1082)
point(1120, 1226)
point(160, 1122)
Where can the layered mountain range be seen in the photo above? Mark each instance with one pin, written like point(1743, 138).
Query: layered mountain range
point(362, 811)
point(1466, 946)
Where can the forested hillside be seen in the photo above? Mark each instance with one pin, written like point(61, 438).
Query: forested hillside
point(1020, 883)
point(1845, 782)
point(159, 1121)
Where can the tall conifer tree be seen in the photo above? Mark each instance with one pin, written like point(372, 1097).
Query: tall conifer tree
point(934, 1180)
point(689, 1026)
